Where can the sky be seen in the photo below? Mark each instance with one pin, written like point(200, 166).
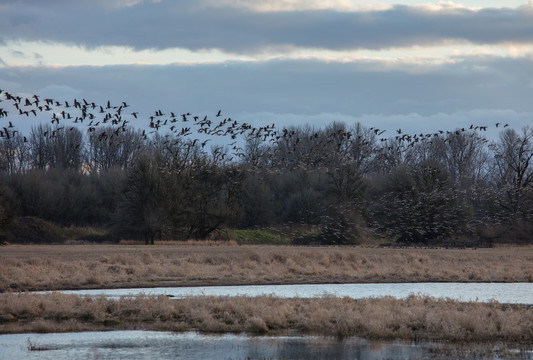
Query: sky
point(415, 65)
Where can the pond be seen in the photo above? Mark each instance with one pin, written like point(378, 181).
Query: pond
point(191, 345)
point(509, 293)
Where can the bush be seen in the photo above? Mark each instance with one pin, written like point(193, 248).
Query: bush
point(32, 230)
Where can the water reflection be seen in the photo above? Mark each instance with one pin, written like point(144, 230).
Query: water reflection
point(190, 345)
point(509, 293)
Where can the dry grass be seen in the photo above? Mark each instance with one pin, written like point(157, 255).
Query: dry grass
point(183, 243)
point(109, 266)
point(412, 318)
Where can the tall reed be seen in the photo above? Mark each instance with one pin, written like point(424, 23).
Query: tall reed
point(412, 318)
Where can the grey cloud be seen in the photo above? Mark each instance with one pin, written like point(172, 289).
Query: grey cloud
point(183, 24)
point(305, 88)
point(18, 53)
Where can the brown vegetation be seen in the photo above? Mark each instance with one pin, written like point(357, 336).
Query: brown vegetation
point(54, 267)
point(412, 318)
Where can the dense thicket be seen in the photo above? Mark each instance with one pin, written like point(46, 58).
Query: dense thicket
point(450, 187)
point(344, 182)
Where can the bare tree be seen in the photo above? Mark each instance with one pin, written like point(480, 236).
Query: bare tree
point(14, 154)
point(40, 146)
point(55, 147)
point(110, 147)
point(143, 208)
point(466, 157)
point(514, 170)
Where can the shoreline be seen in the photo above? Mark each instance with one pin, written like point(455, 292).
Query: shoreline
point(215, 283)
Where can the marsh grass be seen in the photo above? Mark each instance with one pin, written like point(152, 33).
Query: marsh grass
point(386, 318)
point(74, 267)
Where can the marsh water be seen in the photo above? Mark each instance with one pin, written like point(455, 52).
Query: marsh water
point(509, 293)
point(191, 345)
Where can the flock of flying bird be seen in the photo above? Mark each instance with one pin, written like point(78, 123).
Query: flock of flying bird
point(98, 117)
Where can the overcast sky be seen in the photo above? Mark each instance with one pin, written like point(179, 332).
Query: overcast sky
point(391, 64)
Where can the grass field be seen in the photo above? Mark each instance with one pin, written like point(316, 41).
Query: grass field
point(39, 267)
point(55, 267)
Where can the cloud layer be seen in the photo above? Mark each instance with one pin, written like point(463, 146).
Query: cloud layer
point(197, 25)
point(292, 67)
point(298, 89)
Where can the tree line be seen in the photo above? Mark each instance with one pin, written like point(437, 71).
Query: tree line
point(344, 182)
point(337, 184)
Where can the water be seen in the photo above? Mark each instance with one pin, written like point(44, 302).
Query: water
point(509, 293)
point(191, 345)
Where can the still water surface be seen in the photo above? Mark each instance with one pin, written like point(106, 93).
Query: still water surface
point(509, 293)
point(191, 345)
